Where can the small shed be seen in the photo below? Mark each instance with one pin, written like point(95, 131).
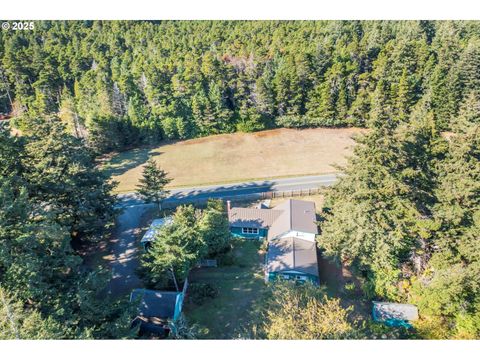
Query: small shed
point(156, 224)
point(156, 309)
point(394, 314)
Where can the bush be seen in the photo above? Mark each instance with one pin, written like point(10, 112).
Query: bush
point(226, 259)
point(350, 288)
point(199, 292)
point(378, 331)
point(301, 121)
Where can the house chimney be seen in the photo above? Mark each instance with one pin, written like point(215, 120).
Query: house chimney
point(228, 208)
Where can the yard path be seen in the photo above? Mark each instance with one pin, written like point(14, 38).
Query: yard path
point(123, 252)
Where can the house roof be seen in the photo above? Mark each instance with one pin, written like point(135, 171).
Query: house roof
point(154, 227)
point(159, 304)
point(296, 215)
point(252, 217)
point(292, 254)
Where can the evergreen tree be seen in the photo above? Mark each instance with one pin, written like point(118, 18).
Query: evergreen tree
point(37, 261)
point(176, 249)
point(186, 79)
point(18, 323)
point(62, 175)
point(448, 290)
point(152, 184)
point(377, 218)
point(214, 228)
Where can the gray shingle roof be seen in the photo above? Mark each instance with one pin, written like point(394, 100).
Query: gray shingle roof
point(251, 217)
point(292, 254)
point(160, 304)
point(296, 215)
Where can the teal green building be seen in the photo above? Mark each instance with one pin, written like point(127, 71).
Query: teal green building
point(290, 229)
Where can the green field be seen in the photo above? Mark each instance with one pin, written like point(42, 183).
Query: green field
point(237, 157)
point(240, 287)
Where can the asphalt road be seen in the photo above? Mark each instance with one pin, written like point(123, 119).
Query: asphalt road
point(237, 189)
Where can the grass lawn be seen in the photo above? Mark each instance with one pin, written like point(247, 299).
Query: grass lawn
point(238, 157)
point(240, 287)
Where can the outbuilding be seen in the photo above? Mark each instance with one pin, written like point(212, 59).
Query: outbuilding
point(394, 314)
point(155, 226)
point(156, 310)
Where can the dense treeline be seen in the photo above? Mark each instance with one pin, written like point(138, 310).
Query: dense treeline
point(51, 196)
point(125, 83)
point(406, 217)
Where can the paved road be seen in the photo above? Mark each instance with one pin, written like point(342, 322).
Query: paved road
point(123, 245)
point(237, 189)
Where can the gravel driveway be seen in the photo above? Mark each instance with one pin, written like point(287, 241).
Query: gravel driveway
point(124, 251)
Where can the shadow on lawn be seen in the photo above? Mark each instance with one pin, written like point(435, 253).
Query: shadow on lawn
point(128, 160)
point(240, 288)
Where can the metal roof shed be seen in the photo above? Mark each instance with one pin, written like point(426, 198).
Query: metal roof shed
point(394, 314)
point(154, 227)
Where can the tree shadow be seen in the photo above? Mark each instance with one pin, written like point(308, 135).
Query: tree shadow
point(124, 161)
point(331, 274)
point(244, 191)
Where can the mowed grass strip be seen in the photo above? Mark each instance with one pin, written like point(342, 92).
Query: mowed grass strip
point(238, 157)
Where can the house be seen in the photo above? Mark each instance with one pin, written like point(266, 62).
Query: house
point(156, 310)
point(293, 259)
point(155, 226)
point(394, 314)
point(290, 229)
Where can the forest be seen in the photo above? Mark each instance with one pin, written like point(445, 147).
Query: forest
point(126, 83)
point(404, 218)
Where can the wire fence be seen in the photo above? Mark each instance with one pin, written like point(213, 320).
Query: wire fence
point(172, 203)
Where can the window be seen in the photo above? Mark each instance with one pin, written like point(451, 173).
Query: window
point(249, 231)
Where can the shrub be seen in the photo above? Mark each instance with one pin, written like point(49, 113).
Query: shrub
point(299, 122)
point(199, 292)
point(226, 259)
